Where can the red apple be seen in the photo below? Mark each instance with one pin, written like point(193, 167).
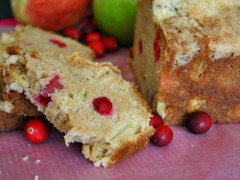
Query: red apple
point(49, 14)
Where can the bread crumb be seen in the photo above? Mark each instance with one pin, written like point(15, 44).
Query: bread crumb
point(36, 177)
point(13, 59)
point(25, 158)
point(37, 161)
point(6, 106)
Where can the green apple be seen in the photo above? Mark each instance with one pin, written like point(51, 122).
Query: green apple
point(116, 18)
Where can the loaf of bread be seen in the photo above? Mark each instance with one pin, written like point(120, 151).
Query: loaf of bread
point(14, 104)
point(88, 101)
point(186, 58)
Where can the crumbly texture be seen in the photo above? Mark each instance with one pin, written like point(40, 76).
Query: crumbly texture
point(33, 39)
point(186, 59)
point(106, 139)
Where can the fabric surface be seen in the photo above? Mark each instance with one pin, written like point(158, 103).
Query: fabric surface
point(213, 155)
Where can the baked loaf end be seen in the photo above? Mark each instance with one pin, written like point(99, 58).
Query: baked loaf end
point(88, 101)
point(186, 58)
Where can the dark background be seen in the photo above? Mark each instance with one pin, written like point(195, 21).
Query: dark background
point(5, 9)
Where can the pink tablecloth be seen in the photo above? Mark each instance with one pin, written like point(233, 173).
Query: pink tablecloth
point(214, 155)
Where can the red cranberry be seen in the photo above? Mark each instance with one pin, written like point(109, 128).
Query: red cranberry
point(98, 48)
point(73, 33)
point(92, 37)
point(102, 105)
point(156, 47)
point(37, 130)
point(53, 85)
point(163, 136)
point(156, 120)
point(110, 44)
point(58, 43)
point(44, 97)
point(199, 123)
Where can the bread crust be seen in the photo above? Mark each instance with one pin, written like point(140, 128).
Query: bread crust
point(130, 148)
point(199, 64)
point(121, 153)
point(11, 121)
point(22, 106)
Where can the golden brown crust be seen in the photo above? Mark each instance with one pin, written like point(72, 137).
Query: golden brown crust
point(106, 155)
point(199, 59)
point(11, 121)
point(22, 106)
point(217, 88)
point(130, 148)
point(215, 84)
point(78, 60)
point(12, 50)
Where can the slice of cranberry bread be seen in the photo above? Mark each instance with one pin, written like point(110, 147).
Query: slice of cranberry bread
point(186, 58)
point(35, 39)
point(42, 41)
point(88, 101)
